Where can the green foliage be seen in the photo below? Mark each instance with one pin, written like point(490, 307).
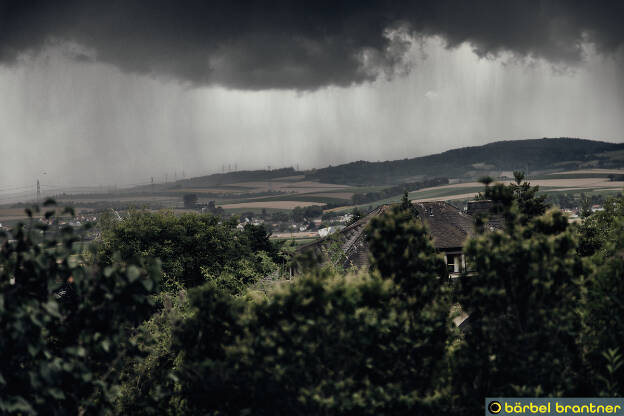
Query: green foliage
point(190, 200)
point(363, 198)
point(523, 295)
point(192, 247)
point(356, 215)
point(402, 251)
point(517, 202)
point(604, 311)
point(235, 278)
point(325, 344)
point(300, 214)
point(600, 228)
point(148, 386)
point(257, 239)
point(65, 324)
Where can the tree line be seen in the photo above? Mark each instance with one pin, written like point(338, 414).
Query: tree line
point(364, 198)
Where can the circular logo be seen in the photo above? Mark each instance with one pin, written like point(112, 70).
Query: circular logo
point(494, 407)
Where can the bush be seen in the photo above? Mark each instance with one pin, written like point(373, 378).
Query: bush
point(192, 247)
point(523, 295)
point(65, 324)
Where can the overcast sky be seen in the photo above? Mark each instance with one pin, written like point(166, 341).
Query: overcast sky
point(118, 92)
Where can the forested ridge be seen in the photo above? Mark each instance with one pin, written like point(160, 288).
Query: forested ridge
point(536, 154)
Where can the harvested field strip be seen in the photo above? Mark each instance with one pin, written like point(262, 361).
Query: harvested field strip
point(255, 210)
point(294, 197)
point(436, 192)
point(272, 204)
point(592, 171)
point(213, 190)
point(332, 195)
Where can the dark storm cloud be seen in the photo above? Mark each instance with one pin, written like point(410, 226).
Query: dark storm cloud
point(298, 44)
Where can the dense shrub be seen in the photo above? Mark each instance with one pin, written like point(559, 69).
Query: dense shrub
point(65, 324)
point(522, 296)
point(192, 247)
point(603, 313)
point(601, 228)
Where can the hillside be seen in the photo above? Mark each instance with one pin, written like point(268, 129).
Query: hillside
point(557, 165)
point(540, 155)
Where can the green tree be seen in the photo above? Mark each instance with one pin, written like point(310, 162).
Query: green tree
point(257, 238)
point(401, 250)
point(603, 311)
point(148, 386)
point(190, 200)
point(586, 205)
point(356, 215)
point(519, 194)
point(65, 324)
point(324, 344)
point(600, 228)
point(192, 247)
point(523, 295)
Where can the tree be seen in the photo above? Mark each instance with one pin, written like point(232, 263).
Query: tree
point(192, 247)
point(356, 215)
point(324, 344)
point(586, 206)
point(518, 194)
point(406, 205)
point(522, 294)
point(298, 214)
point(190, 200)
point(600, 228)
point(66, 323)
point(401, 250)
point(604, 314)
point(257, 239)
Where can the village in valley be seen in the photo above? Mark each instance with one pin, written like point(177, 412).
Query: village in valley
point(306, 208)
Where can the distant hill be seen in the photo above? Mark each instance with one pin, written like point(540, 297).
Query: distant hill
point(539, 155)
point(238, 176)
point(219, 179)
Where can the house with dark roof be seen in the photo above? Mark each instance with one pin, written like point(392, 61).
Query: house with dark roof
point(448, 227)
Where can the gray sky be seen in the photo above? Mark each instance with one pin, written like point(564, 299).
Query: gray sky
point(110, 102)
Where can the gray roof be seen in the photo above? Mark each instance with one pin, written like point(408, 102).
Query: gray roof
point(448, 227)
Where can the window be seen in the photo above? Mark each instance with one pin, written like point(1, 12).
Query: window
point(454, 262)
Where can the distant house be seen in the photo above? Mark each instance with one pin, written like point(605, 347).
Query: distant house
point(448, 227)
point(324, 232)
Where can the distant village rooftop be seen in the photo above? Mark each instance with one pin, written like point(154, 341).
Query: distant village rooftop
point(448, 227)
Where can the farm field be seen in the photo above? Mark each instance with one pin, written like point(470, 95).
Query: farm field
point(10, 216)
point(271, 204)
point(583, 181)
point(286, 193)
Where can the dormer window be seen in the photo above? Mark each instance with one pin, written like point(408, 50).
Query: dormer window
point(455, 263)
